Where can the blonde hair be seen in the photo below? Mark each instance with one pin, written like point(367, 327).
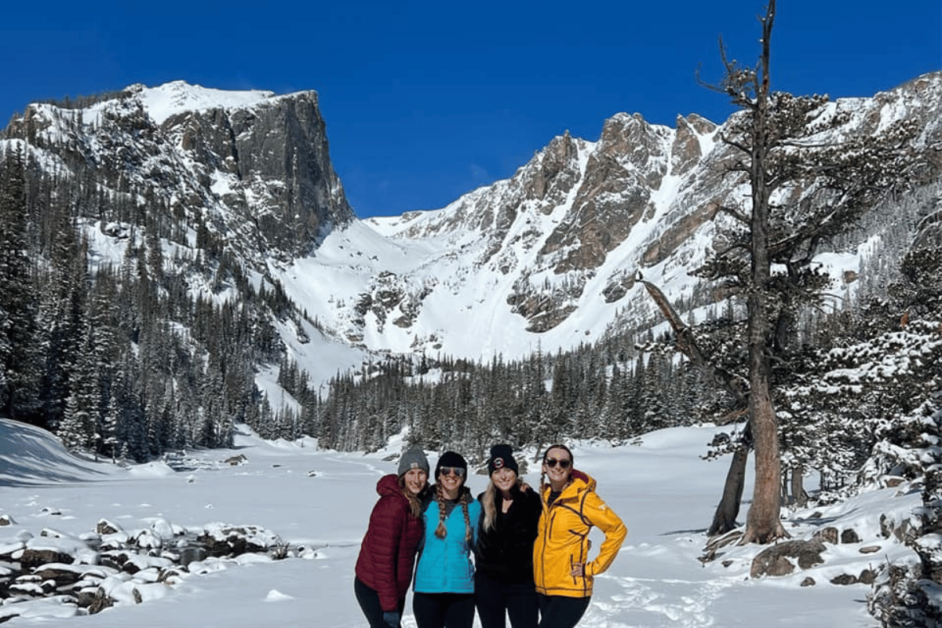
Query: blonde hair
point(415, 504)
point(490, 504)
point(464, 499)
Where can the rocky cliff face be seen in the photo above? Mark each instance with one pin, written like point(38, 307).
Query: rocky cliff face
point(547, 257)
point(276, 156)
point(257, 170)
point(575, 223)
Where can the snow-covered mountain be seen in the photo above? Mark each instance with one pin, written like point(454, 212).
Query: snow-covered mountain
point(544, 260)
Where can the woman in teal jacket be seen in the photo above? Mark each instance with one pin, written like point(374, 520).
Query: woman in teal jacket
point(443, 593)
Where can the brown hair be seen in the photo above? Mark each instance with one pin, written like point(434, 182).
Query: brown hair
point(415, 502)
point(572, 463)
point(464, 498)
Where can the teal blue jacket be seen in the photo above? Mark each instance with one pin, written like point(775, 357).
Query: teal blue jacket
point(445, 564)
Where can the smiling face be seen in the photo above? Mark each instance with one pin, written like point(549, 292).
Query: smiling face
point(557, 465)
point(415, 480)
point(451, 479)
point(504, 479)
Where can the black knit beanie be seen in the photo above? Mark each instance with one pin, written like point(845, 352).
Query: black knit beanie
point(451, 459)
point(502, 457)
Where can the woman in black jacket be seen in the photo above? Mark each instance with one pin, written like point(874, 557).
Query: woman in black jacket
point(503, 579)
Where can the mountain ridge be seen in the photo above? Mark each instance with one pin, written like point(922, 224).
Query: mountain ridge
point(543, 260)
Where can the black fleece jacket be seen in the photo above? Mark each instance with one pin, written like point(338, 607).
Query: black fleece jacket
point(505, 552)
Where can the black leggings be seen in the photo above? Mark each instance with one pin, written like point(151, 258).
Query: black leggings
point(496, 600)
point(557, 611)
point(369, 602)
point(443, 610)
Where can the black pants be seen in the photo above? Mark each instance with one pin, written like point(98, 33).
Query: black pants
point(496, 600)
point(557, 611)
point(369, 602)
point(443, 610)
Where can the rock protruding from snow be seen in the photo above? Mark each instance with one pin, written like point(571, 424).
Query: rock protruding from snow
point(111, 567)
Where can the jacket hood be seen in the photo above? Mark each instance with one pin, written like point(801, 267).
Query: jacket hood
point(584, 478)
point(388, 485)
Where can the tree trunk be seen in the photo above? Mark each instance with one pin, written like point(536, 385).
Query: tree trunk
point(798, 487)
point(724, 519)
point(763, 524)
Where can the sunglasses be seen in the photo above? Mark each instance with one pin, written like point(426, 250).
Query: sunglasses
point(452, 471)
point(552, 462)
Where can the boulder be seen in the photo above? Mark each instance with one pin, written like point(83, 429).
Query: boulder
point(828, 535)
point(844, 579)
point(777, 560)
point(867, 576)
point(32, 558)
point(105, 527)
point(850, 536)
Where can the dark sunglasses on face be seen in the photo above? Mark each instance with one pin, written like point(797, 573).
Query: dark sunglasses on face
point(552, 462)
point(452, 471)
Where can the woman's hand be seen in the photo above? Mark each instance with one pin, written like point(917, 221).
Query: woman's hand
point(578, 570)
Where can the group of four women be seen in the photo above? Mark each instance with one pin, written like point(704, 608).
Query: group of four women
point(530, 550)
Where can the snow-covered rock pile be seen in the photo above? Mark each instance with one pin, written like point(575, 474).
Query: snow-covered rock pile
point(180, 461)
point(112, 566)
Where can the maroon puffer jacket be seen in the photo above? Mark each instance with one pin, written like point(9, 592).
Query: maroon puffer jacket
point(387, 555)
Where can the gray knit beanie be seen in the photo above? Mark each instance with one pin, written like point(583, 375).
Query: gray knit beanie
point(413, 459)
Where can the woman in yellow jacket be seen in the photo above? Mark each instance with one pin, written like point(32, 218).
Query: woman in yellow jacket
point(561, 567)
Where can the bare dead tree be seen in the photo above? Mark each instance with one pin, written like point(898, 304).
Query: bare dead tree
point(805, 187)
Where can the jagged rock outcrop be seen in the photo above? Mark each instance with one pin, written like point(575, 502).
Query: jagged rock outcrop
point(642, 196)
point(686, 151)
point(615, 193)
point(277, 153)
point(250, 173)
point(257, 173)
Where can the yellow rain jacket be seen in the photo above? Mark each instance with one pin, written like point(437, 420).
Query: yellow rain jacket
point(563, 538)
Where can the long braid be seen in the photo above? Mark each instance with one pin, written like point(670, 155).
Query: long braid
point(468, 532)
point(441, 530)
point(464, 499)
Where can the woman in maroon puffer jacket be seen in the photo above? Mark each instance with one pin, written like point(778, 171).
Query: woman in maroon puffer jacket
point(387, 555)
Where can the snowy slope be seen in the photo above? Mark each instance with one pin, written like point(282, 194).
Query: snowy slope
point(319, 501)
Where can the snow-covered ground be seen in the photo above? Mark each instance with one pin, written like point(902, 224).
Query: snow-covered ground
point(319, 503)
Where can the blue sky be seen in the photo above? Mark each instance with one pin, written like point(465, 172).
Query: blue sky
point(425, 101)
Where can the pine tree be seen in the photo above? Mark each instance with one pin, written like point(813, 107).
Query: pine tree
point(109, 429)
point(18, 348)
point(80, 422)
